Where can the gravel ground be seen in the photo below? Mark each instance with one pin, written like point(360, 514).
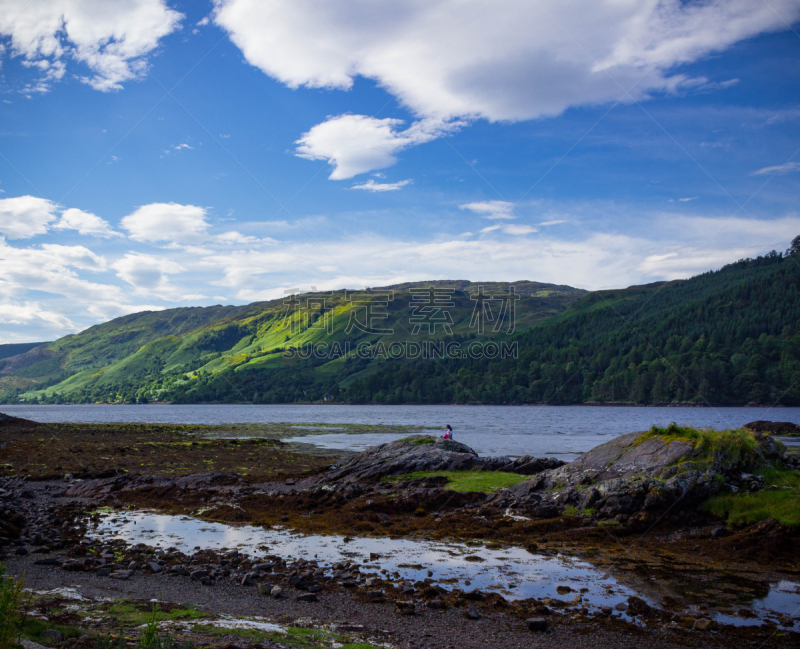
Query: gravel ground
point(428, 628)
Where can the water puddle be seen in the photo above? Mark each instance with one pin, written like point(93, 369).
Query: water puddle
point(251, 624)
point(512, 572)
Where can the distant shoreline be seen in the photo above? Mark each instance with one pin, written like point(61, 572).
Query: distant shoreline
point(606, 404)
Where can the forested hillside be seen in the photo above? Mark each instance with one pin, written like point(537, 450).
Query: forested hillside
point(725, 337)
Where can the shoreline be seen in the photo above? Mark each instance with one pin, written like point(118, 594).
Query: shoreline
point(264, 482)
point(611, 404)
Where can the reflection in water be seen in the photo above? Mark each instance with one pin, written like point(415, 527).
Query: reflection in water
point(513, 572)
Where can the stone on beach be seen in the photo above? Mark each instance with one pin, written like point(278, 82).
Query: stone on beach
point(536, 624)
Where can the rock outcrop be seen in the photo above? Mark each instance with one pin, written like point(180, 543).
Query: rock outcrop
point(103, 488)
point(423, 453)
point(774, 427)
point(10, 420)
point(643, 475)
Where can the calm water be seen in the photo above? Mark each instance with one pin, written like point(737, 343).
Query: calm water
point(513, 572)
point(562, 431)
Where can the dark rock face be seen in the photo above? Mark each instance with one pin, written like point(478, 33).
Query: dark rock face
point(103, 487)
point(403, 457)
point(633, 476)
point(422, 453)
point(774, 427)
point(7, 420)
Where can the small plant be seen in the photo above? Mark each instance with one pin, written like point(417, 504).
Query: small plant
point(109, 642)
point(150, 638)
point(10, 615)
point(150, 634)
point(571, 511)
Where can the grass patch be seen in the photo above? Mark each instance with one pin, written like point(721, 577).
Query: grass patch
point(32, 628)
point(419, 440)
point(482, 481)
point(733, 444)
point(782, 504)
point(10, 614)
point(137, 614)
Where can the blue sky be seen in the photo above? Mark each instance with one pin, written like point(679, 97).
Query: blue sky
point(156, 154)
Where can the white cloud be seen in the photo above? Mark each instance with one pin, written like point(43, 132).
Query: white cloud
point(728, 233)
point(690, 198)
point(778, 169)
point(553, 222)
point(356, 144)
point(372, 186)
point(26, 216)
point(519, 229)
point(786, 115)
point(511, 228)
point(495, 210)
point(182, 146)
point(203, 21)
point(31, 314)
point(501, 61)
point(149, 275)
point(85, 223)
point(171, 222)
point(54, 269)
point(238, 239)
point(111, 38)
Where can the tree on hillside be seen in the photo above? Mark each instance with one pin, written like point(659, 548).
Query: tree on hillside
point(794, 247)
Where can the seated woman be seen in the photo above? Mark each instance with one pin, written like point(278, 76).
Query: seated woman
point(448, 432)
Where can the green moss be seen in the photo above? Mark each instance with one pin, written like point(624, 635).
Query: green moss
point(782, 504)
point(482, 481)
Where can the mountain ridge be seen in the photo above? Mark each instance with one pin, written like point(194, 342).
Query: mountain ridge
point(147, 344)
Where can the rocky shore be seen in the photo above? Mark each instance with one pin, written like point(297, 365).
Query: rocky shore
point(634, 482)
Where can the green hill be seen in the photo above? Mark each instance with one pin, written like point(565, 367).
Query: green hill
point(726, 337)
point(225, 353)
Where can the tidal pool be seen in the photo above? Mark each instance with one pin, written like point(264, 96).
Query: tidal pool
point(512, 572)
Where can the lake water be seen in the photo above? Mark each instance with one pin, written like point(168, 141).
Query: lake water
point(561, 431)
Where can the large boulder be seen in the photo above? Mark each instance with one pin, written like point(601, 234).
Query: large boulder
point(644, 472)
point(425, 453)
point(774, 427)
point(402, 457)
